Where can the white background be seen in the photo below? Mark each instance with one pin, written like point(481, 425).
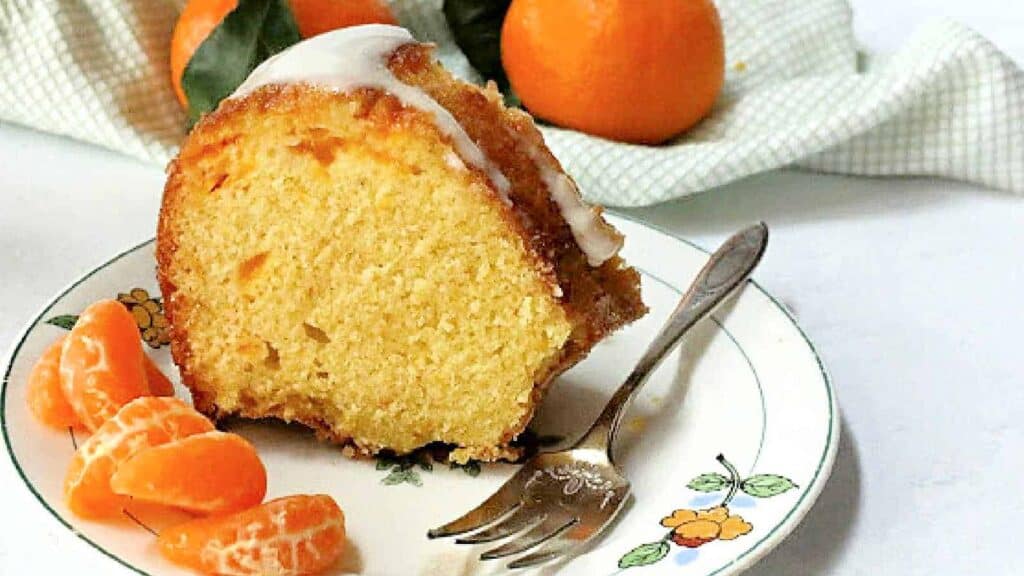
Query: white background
point(913, 290)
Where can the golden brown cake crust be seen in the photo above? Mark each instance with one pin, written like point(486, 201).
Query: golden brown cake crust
point(606, 297)
point(597, 300)
point(600, 300)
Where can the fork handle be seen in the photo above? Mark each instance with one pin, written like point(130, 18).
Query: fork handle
point(727, 270)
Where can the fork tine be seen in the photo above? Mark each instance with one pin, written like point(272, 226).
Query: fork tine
point(554, 548)
point(476, 518)
point(552, 526)
point(505, 500)
point(562, 544)
point(525, 516)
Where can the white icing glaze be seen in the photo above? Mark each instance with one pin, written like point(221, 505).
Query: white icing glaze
point(594, 237)
point(454, 161)
point(357, 57)
point(597, 240)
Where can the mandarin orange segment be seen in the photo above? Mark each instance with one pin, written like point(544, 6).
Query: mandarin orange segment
point(302, 534)
point(158, 383)
point(101, 363)
point(45, 396)
point(211, 473)
point(140, 424)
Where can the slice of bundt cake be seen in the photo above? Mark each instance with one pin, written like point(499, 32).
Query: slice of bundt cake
point(357, 241)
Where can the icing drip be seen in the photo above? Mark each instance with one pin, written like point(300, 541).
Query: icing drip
point(594, 237)
point(597, 240)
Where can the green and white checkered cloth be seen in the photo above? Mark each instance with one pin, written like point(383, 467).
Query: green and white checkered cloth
point(949, 104)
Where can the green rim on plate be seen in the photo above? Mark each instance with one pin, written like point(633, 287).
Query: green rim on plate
point(3, 405)
point(744, 559)
point(828, 454)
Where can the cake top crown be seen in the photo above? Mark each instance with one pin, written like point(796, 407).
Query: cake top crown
point(357, 57)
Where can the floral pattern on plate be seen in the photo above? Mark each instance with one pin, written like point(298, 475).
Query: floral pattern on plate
point(690, 528)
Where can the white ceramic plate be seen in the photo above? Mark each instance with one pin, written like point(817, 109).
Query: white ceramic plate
point(747, 385)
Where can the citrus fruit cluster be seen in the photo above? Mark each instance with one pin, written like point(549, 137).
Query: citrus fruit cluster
point(637, 72)
point(147, 446)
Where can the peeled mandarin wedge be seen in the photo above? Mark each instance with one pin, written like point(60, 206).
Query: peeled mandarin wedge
point(210, 473)
point(140, 424)
point(301, 534)
point(45, 397)
point(101, 363)
point(156, 381)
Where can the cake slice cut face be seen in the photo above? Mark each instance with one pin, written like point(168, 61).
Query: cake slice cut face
point(359, 242)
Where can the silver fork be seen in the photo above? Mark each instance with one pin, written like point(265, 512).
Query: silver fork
point(558, 501)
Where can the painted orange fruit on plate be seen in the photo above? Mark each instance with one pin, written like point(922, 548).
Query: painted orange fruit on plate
point(302, 534)
point(140, 424)
point(101, 363)
point(210, 473)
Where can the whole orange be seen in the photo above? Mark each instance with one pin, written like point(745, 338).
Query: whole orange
point(319, 16)
point(632, 71)
point(200, 17)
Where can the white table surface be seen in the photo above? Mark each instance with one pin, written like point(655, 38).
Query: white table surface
point(913, 290)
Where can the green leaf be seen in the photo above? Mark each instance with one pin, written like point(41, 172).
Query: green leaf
point(476, 26)
point(644, 554)
point(712, 482)
point(65, 321)
point(279, 29)
point(766, 485)
point(252, 32)
point(384, 464)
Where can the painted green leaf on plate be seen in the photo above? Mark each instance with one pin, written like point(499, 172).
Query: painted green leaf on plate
point(644, 554)
point(65, 321)
point(766, 485)
point(711, 482)
point(400, 476)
